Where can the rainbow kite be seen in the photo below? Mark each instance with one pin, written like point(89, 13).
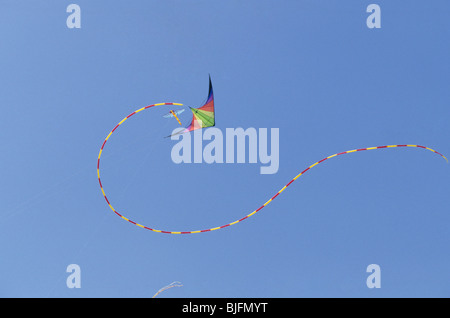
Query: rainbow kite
point(202, 117)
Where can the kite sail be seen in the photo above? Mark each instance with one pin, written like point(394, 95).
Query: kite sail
point(203, 116)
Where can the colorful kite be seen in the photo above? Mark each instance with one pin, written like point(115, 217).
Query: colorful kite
point(202, 117)
point(205, 114)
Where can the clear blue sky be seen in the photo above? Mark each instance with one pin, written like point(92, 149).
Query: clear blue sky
point(310, 68)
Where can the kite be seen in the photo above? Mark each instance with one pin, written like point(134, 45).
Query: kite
point(173, 114)
point(173, 284)
point(205, 114)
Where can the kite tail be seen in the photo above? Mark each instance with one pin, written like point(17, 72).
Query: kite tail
point(303, 172)
point(343, 153)
point(245, 217)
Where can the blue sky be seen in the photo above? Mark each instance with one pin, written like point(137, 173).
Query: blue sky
point(310, 68)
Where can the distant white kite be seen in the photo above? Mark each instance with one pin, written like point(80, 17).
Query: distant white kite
point(174, 284)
